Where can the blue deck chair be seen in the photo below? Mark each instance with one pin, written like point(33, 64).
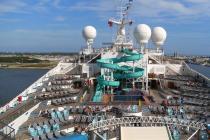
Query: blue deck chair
point(56, 127)
point(59, 115)
point(33, 132)
point(53, 115)
point(46, 128)
point(66, 113)
point(40, 130)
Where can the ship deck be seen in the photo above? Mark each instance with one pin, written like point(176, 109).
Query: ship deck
point(58, 96)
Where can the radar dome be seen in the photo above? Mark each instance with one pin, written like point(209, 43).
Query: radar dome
point(159, 36)
point(89, 32)
point(142, 33)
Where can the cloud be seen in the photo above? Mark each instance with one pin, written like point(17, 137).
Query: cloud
point(182, 10)
point(56, 3)
point(12, 6)
point(23, 6)
point(9, 20)
point(60, 18)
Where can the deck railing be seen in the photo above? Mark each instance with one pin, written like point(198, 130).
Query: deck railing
point(6, 131)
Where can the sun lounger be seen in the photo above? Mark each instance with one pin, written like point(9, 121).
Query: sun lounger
point(63, 133)
point(57, 121)
point(35, 138)
point(50, 136)
point(55, 127)
point(57, 134)
point(33, 132)
point(46, 128)
point(43, 137)
point(51, 122)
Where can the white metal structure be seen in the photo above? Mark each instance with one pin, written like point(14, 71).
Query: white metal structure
point(146, 121)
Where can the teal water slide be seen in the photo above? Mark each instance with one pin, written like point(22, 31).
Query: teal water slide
point(119, 72)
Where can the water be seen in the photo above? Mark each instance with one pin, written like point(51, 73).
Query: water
point(201, 69)
point(14, 81)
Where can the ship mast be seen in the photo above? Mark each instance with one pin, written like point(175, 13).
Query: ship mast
point(122, 21)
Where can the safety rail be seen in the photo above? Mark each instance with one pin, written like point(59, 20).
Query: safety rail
point(6, 131)
point(148, 120)
point(68, 67)
point(155, 58)
point(14, 113)
point(173, 68)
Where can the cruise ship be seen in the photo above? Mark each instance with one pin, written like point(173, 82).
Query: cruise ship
point(123, 90)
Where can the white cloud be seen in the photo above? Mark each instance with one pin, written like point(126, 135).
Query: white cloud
point(162, 9)
point(56, 3)
point(12, 6)
point(60, 18)
point(9, 20)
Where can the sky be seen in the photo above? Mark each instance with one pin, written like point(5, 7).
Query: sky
point(56, 25)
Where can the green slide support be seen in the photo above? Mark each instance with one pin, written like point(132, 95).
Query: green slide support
point(119, 72)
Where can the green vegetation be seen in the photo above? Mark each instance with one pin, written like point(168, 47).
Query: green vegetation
point(19, 59)
point(25, 62)
point(49, 54)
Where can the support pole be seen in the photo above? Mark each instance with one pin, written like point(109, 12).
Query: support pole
point(133, 72)
point(193, 135)
point(147, 72)
point(99, 135)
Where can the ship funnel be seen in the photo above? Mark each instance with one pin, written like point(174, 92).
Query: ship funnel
point(89, 33)
point(159, 36)
point(142, 33)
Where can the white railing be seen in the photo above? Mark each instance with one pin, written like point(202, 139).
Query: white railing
point(174, 68)
point(195, 72)
point(155, 58)
point(66, 67)
point(148, 120)
point(30, 89)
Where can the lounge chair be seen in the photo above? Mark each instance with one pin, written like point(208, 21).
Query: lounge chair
point(51, 121)
point(63, 133)
point(46, 128)
point(53, 115)
point(55, 127)
point(60, 117)
point(34, 125)
point(84, 119)
point(40, 130)
point(80, 110)
point(46, 123)
point(43, 137)
point(33, 132)
point(35, 138)
point(57, 121)
point(65, 113)
point(50, 136)
point(57, 134)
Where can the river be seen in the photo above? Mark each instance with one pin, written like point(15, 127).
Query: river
point(14, 81)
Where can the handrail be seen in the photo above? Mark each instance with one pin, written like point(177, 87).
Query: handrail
point(17, 112)
point(195, 71)
point(7, 130)
point(105, 124)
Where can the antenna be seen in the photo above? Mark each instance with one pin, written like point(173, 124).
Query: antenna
point(123, 10)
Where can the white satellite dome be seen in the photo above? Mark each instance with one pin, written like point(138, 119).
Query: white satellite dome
point(89, 32)
point(159, 36)
point(142, 33)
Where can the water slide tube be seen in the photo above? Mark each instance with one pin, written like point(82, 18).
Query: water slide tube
point(119, 72)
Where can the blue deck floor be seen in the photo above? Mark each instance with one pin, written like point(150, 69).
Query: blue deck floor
point(74, 137)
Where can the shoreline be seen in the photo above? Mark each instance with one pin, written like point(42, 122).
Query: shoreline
point(47, 66)
point(44, 68)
